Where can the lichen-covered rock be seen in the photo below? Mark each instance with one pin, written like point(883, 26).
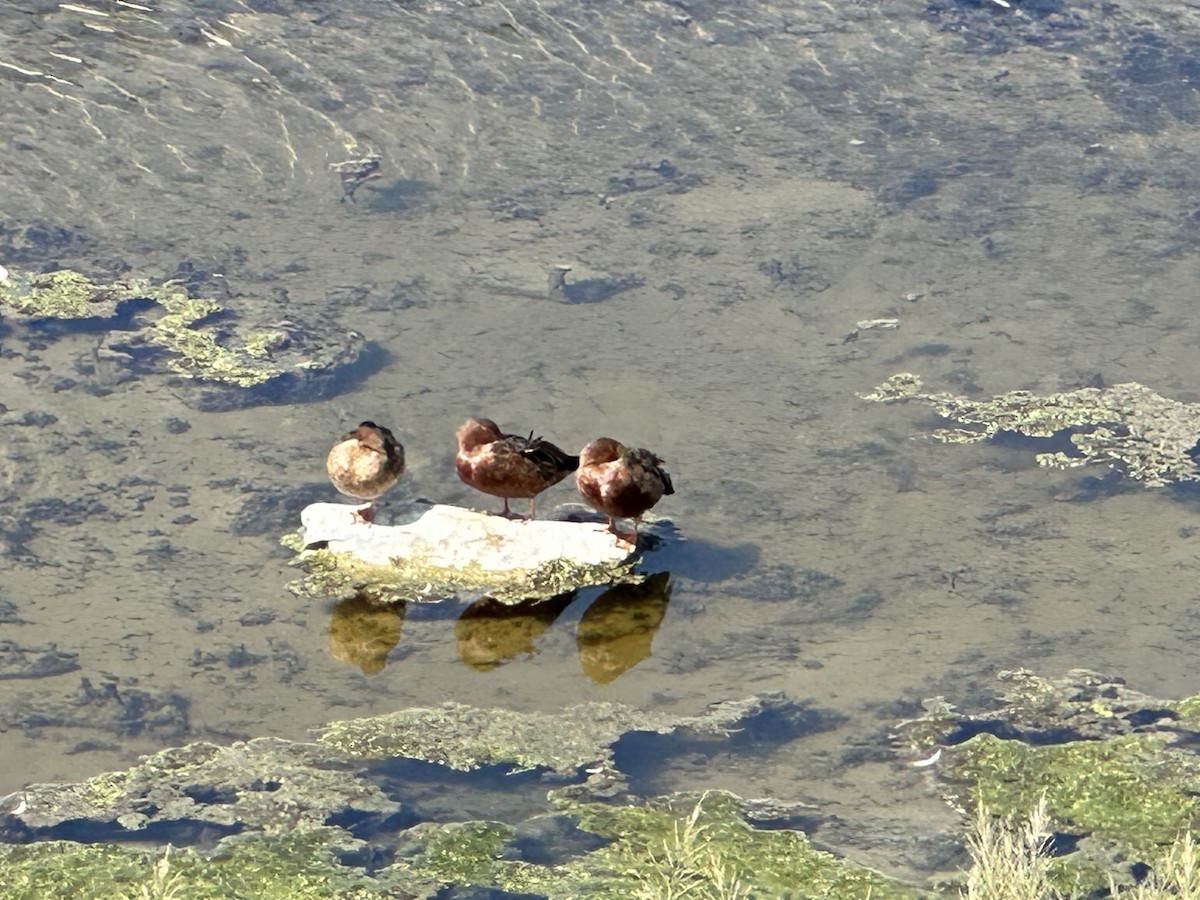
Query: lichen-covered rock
point(1150, 437)
point(453, 552)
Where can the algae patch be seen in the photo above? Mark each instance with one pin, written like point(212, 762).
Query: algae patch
point(298, 820)
point(342, 576)
point(671, 847)
point(1116, 769)
point(465, 737)
point(301, 864)
point(195, 338)
point(65, 294)
point(1151, 438)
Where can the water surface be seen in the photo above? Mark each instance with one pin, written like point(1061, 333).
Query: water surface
point(733, 189)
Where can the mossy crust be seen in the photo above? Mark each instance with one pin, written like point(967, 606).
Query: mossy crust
point(1116, 767)
point(1150, 437)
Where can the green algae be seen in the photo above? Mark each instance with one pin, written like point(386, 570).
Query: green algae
point(200, 354)
point(267, 784)
point(332, 575)
point(301, 864)
point(669, 847)
point(1114, 767)
point(465, 737)
point(1150, 437)
point(1133, 792)
point(460, 853)
point(183, 328)
point(1189, 710)
point(705, 848)
point(282, 797)
point(65, 294)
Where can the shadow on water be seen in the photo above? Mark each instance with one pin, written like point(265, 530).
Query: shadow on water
point(296, 385)
point(123, 318)
point(400, 196)
point(179, 833)
point(589, 290)
point(429, 792)
point(648, 758)
point(700, 560)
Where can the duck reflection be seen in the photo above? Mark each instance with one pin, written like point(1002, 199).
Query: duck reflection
point(489, 632)
point(363, 633)
point(615, 632)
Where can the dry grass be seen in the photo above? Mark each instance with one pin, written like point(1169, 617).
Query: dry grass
point(1177, 875)
point(1010, 858)
point(1010, 861)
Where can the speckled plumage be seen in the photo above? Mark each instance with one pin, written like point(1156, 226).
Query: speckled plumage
point(621, 482)
point(508, 465)
point(365, 463)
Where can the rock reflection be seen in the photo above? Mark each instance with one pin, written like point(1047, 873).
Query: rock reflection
point(363, 633)
point(490, 632)
point(616, 631)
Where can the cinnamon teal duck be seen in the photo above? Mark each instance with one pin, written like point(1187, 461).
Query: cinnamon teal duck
point(621, 482)
point(364, 464)
point(508, 465)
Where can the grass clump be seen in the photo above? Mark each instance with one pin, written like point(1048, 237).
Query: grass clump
point(1010, 858)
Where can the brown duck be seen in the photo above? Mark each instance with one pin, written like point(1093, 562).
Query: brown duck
point(621, 482)
point(364, 464)
point(508, 465)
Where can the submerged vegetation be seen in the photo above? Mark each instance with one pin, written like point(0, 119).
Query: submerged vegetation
point(1148, 436)
point(191, 337)
point(1077, 787)
point(1107, 770)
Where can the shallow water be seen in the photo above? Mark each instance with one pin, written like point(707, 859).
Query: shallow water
point(734, 190)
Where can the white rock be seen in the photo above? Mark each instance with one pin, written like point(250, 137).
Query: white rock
point(453, 538)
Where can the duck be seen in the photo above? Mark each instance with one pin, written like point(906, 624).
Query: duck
point(508, 465)
point(621, 482)
point(364, 464)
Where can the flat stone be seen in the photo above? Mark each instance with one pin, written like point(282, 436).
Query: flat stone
point(450, 551)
